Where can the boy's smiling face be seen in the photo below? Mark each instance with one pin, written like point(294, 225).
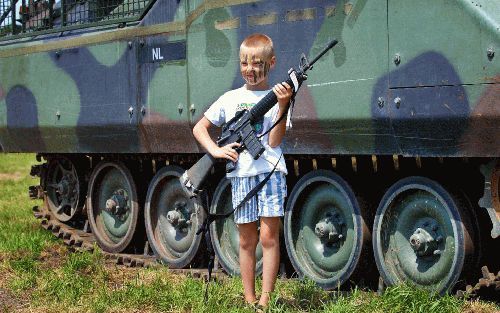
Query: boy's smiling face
point(254, 68)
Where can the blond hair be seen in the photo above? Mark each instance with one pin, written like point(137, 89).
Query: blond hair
point(263, 44)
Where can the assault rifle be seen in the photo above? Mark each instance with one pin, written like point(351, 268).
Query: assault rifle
point(240, 128)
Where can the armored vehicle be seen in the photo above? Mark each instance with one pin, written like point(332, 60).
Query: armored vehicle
point(393, 156)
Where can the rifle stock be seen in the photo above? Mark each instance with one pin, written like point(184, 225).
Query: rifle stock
point(192, 179)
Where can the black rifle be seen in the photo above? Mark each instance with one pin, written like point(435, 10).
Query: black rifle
point(240, 128)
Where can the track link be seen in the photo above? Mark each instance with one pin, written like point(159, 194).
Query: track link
point(80, 240)
point(487, 288)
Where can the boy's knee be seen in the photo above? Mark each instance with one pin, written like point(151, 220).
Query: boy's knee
point(248, 237)
point(249, 243)
point(269, 240)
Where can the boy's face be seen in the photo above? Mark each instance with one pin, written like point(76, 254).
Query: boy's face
point(254, 67)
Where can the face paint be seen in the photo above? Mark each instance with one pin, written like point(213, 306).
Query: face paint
point(254, 70)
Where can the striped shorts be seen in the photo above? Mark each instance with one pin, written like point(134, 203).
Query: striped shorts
point(268, 202)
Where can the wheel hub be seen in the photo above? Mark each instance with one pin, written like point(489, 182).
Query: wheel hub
point(425, 240)
point(329, 229)
point(118, 204)
point(178, 217)
point(65, 188)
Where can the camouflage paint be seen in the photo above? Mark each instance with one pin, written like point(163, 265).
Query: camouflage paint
point(162, 115)
point(447, 84)
point(28, 105)
point(342, 83)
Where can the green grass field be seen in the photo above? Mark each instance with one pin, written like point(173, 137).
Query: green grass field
point(39, 274)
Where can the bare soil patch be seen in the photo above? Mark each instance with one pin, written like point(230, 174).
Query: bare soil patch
point(11, 176)
point(9, 302)
point(53, 256)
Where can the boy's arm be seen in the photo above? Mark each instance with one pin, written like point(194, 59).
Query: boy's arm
point(200, 132)
point(283, 92)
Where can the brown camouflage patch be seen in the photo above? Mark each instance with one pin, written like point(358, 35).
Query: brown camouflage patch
point(482, 137)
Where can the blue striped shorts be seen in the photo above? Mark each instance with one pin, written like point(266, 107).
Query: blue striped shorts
point(268, 202)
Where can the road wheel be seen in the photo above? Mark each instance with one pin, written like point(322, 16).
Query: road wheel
point(325, 232)
point(112, 206)
point(422, 235)
point(172, 219)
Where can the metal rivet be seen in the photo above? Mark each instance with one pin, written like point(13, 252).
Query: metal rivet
point(380, 102)
point(58, 53)
point(130, 44)
point(397, 59)
point(141, 42)
point(143, 110)
point(192, 108)
point(58, 115)
point(397, 101)
point(131, 111)
point(490, 53)
point(179, 107)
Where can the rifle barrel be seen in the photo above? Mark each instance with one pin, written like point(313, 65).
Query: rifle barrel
point(330, 45)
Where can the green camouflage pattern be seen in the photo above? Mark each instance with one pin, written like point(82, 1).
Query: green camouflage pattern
point(141, 88)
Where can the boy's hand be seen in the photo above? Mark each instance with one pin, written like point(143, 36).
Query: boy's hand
point(283, 92)
point(226, 152)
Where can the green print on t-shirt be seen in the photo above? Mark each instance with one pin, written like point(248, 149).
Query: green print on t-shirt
point(244, 106)
point(247, 106)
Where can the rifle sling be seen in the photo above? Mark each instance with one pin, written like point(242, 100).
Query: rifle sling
point(292, 102)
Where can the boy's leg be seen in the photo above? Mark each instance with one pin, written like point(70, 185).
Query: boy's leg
point(248, 243)
point(246, 217)
point(270, 240)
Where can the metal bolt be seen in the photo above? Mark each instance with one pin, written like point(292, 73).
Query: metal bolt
point(192, 109)
point(380, 102)
point(58, 115)
point(130, 44)
point(397, 59)
point(131, 111)
point(111, 204)
point(397, 101)
point(179, 107)
point(490, 53)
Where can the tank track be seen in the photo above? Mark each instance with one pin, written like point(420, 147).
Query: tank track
point(488, 287)
point(80, 240)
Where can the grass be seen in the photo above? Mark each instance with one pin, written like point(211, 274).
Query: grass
point(39, 274)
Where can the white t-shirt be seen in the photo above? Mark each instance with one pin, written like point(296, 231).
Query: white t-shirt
point(226, 107)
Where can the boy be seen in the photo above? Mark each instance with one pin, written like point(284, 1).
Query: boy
point(256, 60)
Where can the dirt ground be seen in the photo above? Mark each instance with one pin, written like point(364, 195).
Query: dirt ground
point(11, 176)
point(8, 302)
